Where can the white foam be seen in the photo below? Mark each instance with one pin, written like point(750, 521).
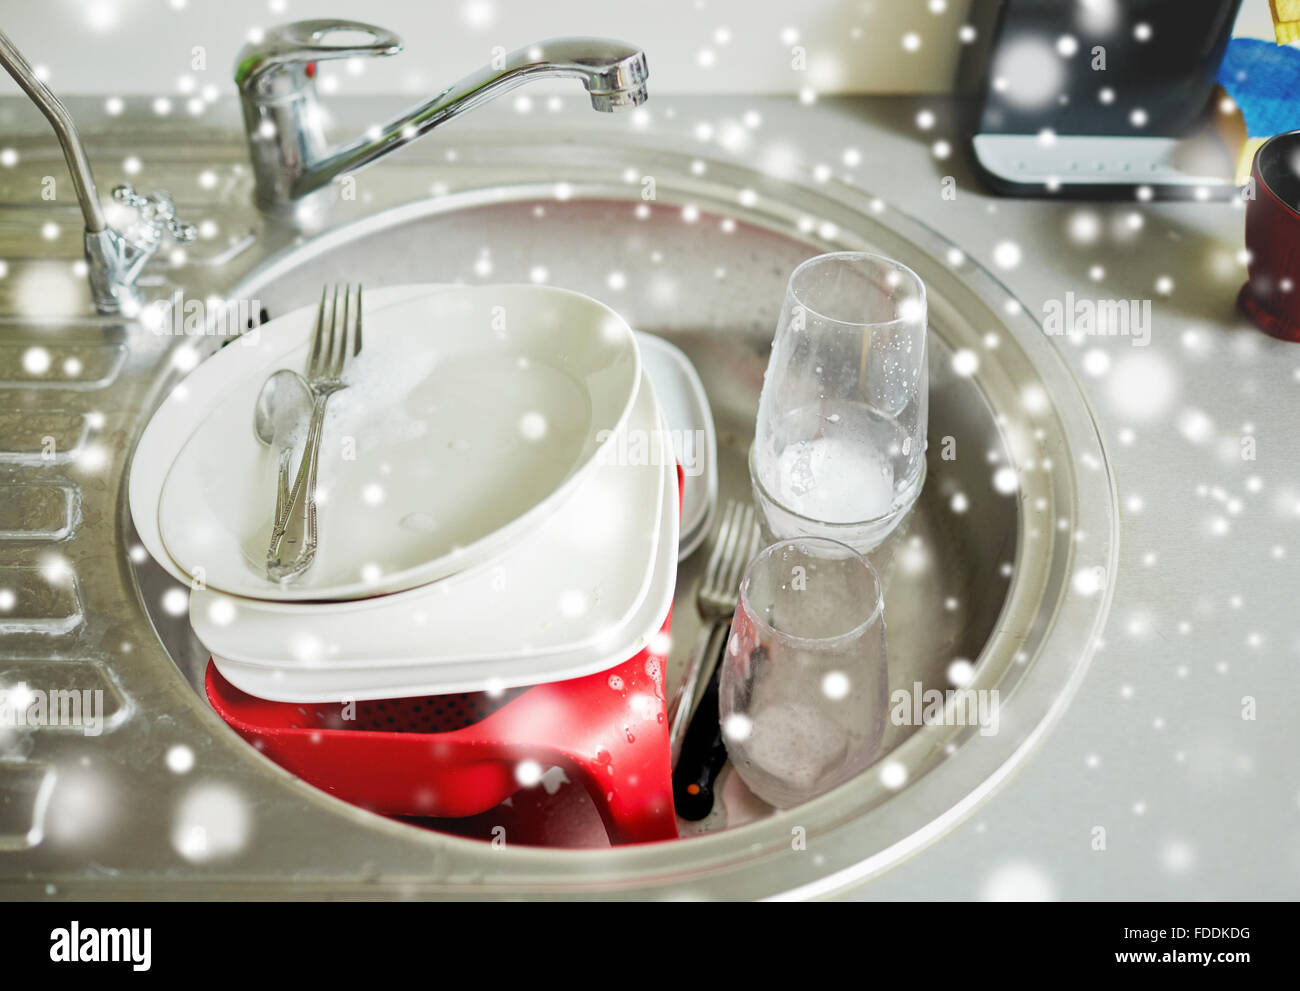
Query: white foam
point(835, 479)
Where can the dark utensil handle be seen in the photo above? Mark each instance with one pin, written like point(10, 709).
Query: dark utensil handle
point(703, 750)
point(695, 681)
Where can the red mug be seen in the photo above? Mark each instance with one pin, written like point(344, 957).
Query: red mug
point(1271, 297)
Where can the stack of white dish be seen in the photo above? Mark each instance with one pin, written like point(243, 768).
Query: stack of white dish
point(689, 417)
point(498, 500)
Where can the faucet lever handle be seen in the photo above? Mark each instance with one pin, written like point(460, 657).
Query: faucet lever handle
point(157, 215)
point(300, 42)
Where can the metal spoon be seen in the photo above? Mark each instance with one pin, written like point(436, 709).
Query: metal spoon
point(279, 392)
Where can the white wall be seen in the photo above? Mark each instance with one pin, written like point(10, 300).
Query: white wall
point(144, 46)
point(129, 47)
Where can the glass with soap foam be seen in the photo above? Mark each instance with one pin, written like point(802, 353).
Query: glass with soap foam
point(839, 447)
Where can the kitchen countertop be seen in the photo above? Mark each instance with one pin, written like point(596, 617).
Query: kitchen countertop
point(1195, 800)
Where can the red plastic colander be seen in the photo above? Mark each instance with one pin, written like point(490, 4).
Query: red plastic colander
point(452, 756)
point(459, 755)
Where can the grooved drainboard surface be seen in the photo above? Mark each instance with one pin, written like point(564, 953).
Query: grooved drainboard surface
point(38, 511)
point(39, 600)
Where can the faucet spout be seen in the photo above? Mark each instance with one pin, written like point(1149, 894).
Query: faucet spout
point(613, 74)
point(83, 180)
point(291, 159)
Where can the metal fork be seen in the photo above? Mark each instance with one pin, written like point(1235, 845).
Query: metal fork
point(335, 340)
point(717, 598)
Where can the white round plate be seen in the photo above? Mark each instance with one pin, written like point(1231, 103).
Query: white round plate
point(580, 576)
point(690, 424)
point(177, 417)
point(472, 414)
point(381, 680)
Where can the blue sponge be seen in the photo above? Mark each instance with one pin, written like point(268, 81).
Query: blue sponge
point(1263, 79)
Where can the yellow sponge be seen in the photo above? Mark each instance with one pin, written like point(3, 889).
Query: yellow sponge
point(1247, 159)
point(1286, 20)
point(1230, 127)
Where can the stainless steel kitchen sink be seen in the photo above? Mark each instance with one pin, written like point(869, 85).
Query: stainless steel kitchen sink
point(1012, 575)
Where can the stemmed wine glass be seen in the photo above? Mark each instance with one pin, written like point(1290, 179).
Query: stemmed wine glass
point(839, 448)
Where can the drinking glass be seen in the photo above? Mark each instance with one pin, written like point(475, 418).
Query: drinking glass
point(839, 447)
point(804, 685)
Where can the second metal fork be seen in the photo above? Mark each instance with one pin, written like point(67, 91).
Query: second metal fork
point(335, 340)
point(718, 595)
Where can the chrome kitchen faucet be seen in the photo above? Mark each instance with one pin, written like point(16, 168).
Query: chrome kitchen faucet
point(113, 260)
point(285, 126)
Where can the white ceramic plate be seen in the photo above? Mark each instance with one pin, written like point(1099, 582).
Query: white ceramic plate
point(690, 423)
point(690, 542)
point(474, 412)
point(579, 577)
point(296, 684)
point(178, 416)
